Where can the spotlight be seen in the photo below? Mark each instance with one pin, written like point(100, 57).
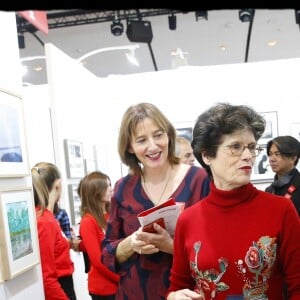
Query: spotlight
point(246, 15)
point(21, 40)
point(116, 27)
point(297, 15)
point(172, 22)
point(201, 14)
point(139, 31)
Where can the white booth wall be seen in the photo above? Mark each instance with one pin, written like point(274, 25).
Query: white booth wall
point(28, 284)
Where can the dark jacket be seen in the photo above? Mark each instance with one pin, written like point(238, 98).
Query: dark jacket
point(288, 186)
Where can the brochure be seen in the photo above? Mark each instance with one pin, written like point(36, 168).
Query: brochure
point(165, 214)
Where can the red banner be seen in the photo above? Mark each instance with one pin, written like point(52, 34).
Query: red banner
point(38, 18)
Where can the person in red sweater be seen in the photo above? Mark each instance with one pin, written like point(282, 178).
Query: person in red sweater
point(238, 242)
point(56, 263)
point(95, 192)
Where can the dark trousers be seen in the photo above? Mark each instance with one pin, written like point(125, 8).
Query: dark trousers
point(97, 297)
point(67, 285)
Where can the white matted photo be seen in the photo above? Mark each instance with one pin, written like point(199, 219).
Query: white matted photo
point(271, 130)
point(185, 129)
point(74, 159)
point(13, 150)
point(75, 204)
point(18, 233)
point(262, 172)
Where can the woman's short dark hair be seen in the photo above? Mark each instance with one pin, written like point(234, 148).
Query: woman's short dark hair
point(221, 119)
point(287, 145)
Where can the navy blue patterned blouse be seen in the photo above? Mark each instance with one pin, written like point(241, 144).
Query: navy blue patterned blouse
point(64, 222)
point(143, 277)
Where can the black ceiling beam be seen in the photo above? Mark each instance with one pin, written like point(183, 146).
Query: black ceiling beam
point(66, 18)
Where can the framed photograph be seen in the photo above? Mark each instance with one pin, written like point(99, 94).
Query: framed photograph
point(19, 241)
point(75, 204)
point(74, 159)
point(271, 129)
point(13, 151)
point(89, 166)
point(262, 172)
point(185, 129)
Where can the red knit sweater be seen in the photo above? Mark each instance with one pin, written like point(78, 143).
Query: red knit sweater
point(101, 281)
point(55, 255)
point(238, 242)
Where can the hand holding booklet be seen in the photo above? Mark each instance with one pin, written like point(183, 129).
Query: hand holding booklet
point(165, 215)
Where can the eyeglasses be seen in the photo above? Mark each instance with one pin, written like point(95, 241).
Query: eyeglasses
point(237, 149)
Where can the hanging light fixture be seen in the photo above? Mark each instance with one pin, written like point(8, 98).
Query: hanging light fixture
point(172, 22)
point(201, 14)
point(116, 27)
point(246, 15)
point(297, 15)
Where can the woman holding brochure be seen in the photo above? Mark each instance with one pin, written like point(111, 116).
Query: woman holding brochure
point(146, 145)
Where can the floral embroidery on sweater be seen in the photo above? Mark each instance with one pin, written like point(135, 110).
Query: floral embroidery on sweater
point(258, 260)
point(208, 282)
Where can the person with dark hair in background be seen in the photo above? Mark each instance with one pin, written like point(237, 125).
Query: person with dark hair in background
point(284, 153)
point(56, 263)
point(95, 193)
point(146, 145)
point(238, 242)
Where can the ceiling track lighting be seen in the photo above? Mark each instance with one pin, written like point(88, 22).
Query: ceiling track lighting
point(246, 15)
point(297, 15)
point(201, 15)
point(172, 22)
point(116, 28)
point(21, 40)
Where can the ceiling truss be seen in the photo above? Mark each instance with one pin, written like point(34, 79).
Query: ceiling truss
point(66, 18)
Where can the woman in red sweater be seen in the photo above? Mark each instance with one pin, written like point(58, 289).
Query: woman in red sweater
point(57, 267)
point(95, 192)
point(238, 242)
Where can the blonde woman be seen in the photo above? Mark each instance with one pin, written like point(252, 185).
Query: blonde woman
point(57, 266)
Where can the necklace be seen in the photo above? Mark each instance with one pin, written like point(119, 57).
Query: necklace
point(163, 191)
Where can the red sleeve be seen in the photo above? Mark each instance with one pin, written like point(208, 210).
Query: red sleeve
point(180, 277)
point(92, 236)
point(47, 237)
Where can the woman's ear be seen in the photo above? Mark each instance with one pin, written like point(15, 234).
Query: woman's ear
point(130, 150)
point(207, 159)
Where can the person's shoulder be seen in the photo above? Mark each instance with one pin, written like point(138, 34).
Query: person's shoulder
point(199, 171)
point(87, 219)
point(127, 181)
point(190, 212)
point(277, 199)
point(47, 220)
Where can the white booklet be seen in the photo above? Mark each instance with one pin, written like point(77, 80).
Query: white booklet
point(165, 215)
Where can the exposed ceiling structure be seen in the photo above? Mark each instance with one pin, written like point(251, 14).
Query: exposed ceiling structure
point(196, 38)
point(75, 17)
